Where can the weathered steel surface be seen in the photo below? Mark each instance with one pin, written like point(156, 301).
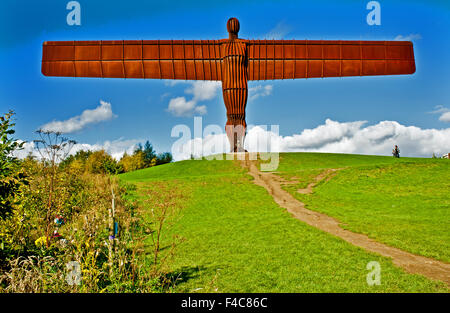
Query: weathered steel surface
point(232, 61)
point(161, 59)
point(202, 59)
point(289, 59)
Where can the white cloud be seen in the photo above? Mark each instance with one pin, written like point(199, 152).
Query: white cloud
point(333, 137)
point(180, 107)
point(87, 117)
point(445, 117)
point(260, 91)
point(203, 90)
point(279, 31)
point(200, 91)
point(200, 109)
point(445, 113)
point(115, 148)
point(409, 37)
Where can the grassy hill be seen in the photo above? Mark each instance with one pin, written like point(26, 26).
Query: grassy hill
point(237, 239)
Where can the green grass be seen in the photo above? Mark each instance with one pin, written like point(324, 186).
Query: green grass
point(404, 203)
point(189, 169)
point(239, 240)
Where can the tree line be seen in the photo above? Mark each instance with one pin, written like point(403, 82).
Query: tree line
point(100, 162)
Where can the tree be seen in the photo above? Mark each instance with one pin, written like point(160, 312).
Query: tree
point(133, 162)
point(138, 148)
point(11, 176)
point(149, 153)
point(81, 157)
point(163, 158)
point(100, 162)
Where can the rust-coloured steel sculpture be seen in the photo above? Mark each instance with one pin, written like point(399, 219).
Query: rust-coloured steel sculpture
point(233, 61)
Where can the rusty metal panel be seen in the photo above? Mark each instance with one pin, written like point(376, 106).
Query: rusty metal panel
point(134, 69)
point(178, 51)
point(199, 70)
point(165, 52)
point(398, 52)
point(351, 67)
point(112, 52)
point(133, 52)
point(373, 67)
point(150, 52)
point(278, 69)
point(58, 52)
point(332, 68)
point(58, 68)
point(179, 68)
point(270, 73)
point(314, 68)
point(396, 67)
point(331, 52)
point(113, 69)
point(300, 52)
point(288, 70)
point(351, 52)
point(289, 51)
point(151, 69)
point(314, 52)
point(373, 52)
point(301, 68)
point(87, 53)
point(88, 69)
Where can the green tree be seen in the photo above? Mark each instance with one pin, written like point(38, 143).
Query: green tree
point(149, 153)
point(11, 175)
point(81, 157)
point(163, 158)
point(138, 148)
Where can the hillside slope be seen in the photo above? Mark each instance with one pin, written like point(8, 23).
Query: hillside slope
point(239, 240)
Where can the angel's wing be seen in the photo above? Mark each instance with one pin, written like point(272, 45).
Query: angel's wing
point(288, 59)
point(162, 59)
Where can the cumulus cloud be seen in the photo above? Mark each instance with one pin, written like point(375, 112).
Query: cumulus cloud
point(443, 111)
point(331, 137)
point(116, 148)
point(409, 37)
point(200, 91)
point(445, 117)
point(279, 31)
point(181, 107)
point(87, 117)
point(260, 91)
point(203, 90)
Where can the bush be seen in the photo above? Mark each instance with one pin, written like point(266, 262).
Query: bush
point(100, 162)
point(69, 221)
point(106, 264)
point(11, 175)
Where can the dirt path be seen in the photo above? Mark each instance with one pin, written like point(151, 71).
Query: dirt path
point(327, 174)
point(412, 263)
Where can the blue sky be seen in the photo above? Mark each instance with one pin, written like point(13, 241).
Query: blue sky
point(139, 107)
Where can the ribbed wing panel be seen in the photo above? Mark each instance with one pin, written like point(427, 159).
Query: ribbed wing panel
point(289, 59)
point(160, 59)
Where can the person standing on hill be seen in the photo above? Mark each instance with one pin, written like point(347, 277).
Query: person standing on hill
point(396, 152)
